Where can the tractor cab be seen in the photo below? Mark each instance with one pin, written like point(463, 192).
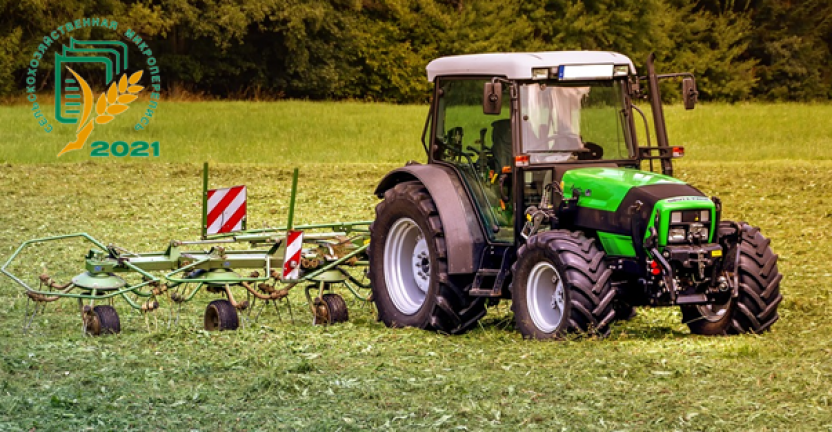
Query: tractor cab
point(529, 117)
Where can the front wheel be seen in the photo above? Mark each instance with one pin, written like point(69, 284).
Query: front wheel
point(561, 285)
point(409, 268)
point(755, 308)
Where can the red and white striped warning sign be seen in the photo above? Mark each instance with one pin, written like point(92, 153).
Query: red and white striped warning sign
point(226, 209)
point(291, 261)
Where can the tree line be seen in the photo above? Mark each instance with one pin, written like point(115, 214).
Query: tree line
point(377, 49)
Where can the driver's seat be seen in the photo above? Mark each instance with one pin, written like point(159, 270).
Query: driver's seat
point(501, 143)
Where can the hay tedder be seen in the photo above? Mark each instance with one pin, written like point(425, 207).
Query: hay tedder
point(315, 257)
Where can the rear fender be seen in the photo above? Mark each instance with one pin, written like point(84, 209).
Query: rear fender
point(464, 236)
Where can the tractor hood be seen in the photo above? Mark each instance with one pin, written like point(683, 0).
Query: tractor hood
point(605, 188)
point(622, 200)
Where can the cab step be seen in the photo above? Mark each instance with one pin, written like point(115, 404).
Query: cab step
point(489, 281)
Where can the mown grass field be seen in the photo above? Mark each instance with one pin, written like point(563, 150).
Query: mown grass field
point(769, 163)
point(347, 132)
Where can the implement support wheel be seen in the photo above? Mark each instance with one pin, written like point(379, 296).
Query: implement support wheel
point(103, 321)
point(330, 309)
point(221, 315)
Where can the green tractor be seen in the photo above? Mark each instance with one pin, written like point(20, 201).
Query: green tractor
point(536, 190)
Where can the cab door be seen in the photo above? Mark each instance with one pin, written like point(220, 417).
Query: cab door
point(479, 147)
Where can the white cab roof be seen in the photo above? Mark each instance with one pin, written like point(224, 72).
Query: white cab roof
point(520, 65)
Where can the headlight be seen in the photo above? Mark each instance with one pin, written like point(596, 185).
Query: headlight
point(676, 235)
point(699, 230)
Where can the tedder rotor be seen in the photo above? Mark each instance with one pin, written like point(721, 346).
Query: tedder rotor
point(315, 257)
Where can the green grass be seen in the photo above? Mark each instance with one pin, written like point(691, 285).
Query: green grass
point(650, 374)
point(236, 132)
point(303, 132)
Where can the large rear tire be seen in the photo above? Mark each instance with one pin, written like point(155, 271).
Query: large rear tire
point(755, 309)
point(409, 266)
point(561, 286)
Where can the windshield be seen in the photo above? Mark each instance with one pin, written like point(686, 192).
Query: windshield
point(563, 122)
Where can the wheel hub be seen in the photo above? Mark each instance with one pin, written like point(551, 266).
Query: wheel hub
point(421, 264)
point(321, 312)
point(557, 296)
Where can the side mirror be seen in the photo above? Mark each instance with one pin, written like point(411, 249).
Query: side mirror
point(492, 98)
point(689, 93)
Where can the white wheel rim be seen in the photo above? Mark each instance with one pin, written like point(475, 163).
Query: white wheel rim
point(713, 312)
point(545, 297)
point(407, 266)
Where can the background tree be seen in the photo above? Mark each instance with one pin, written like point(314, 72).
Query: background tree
point(378, 49)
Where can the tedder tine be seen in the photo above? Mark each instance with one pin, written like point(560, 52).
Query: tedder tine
point(27, 320)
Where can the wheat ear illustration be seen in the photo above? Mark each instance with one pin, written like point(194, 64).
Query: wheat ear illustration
point(111, 103)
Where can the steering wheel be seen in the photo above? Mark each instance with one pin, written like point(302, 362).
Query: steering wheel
point(453, 145)
point(591, 151)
